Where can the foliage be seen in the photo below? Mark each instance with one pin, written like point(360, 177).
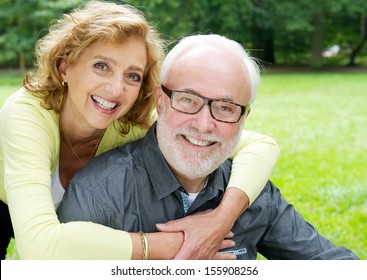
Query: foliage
point(24, 22)
point(277, 32)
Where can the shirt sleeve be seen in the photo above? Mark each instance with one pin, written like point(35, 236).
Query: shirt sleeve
point(80, 204)
point(290, 237)
point(29, 142)
point(253, 161)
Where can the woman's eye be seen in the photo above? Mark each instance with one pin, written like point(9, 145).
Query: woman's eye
point(101, 66)
point(134, 77)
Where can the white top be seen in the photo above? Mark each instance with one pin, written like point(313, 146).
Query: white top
point(192, 196)
point(57, 190)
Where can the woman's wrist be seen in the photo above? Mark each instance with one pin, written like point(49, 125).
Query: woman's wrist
point(144, 243)
point(233, 204)
point(164, 245)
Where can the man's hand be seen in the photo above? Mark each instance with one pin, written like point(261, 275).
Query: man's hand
point(204, 236)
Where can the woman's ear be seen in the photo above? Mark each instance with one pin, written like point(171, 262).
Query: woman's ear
point(62, 69)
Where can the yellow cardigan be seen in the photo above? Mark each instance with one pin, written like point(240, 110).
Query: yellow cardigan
point(29, 151)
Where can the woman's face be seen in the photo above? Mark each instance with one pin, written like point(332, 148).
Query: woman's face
point(104, 82)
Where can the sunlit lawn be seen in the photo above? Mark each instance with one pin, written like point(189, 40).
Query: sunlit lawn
point(319, 121)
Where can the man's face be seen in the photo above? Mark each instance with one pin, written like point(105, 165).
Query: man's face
point(195, 145)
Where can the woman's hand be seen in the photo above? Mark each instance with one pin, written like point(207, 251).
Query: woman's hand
point(204, 236)
point(206, 233)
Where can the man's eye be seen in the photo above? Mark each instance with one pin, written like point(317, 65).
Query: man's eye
point(225, 108)
point(187, 100)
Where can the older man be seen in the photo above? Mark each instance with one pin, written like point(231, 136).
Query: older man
point(181, 167)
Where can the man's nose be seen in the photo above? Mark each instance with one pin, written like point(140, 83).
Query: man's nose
point(203, 120)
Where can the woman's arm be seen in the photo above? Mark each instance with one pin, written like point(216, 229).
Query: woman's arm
point(164, 246)
point(253, 162)
point(155, 242)
point(29, 146)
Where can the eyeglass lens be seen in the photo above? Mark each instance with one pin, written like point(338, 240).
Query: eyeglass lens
point(190, 103)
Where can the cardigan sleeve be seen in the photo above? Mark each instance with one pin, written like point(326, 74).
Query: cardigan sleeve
point(253, 161)
point(29, 145)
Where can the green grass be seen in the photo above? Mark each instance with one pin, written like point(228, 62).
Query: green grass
point(318, 120)
point(10, 77)
point(9, 83)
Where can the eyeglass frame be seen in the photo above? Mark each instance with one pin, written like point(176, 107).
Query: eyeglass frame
point(207, 101)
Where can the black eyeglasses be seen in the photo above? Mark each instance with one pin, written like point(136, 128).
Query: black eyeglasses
point(191, 103)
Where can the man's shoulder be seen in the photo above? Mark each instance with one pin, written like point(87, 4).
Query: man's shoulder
point(226, 167)
point(269, 196)
point(111, 165)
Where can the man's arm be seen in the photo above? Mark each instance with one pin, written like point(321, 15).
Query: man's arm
point(289, 236)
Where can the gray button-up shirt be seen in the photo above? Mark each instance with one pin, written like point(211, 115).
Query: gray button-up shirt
point(132, 188)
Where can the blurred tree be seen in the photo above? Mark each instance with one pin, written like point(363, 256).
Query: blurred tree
point(363, 38)
point(262, 19)
point(344, 24)
point(318, 34)
point(292, 24)
point(282, 31)
point(352, 24)
point(23, 22)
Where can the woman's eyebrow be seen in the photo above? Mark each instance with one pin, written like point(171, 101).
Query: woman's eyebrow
point(113, 61)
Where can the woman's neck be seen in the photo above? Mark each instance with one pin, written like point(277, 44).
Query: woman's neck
point(78, 132)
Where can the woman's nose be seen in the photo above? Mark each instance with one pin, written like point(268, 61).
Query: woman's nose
point(115, 87)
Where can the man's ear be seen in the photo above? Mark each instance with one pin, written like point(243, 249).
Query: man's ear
point(62, 69)
point(248, 112)
point(158, 99)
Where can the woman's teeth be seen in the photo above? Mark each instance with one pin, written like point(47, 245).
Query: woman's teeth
point(104, 103)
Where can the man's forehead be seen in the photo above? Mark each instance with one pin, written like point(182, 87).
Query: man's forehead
point(206, 56)
point(204, 51)
point(209, 69)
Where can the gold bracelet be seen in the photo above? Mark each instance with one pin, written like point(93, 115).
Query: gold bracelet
point(144, 242)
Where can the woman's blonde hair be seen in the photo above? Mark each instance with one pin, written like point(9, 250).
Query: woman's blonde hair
point(83, 27)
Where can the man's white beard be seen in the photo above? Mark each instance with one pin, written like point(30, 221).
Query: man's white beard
point(190, 162)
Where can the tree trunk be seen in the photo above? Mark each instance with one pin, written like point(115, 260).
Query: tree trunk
point(21, 62)
point(317, 39)
point(21, 56)
point(354, 53)
point(269, 50)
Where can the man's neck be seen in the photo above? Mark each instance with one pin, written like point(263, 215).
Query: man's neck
point(192, 185)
